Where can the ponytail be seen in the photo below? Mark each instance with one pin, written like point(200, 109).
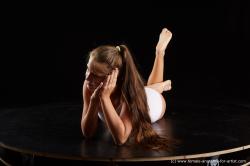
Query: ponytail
point(133, 92)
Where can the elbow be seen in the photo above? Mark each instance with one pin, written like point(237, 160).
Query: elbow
point(122, 137)
point(87, 133)
point(121, 141)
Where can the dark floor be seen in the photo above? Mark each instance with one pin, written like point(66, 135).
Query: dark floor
point(17, 159)
point(221, 133)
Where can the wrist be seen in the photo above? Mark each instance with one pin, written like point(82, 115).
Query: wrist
point(159, 52)
point(104, 97)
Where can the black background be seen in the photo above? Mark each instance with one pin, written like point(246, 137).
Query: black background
point(44, 47)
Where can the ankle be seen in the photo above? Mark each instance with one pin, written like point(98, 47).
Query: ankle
point(160, 53)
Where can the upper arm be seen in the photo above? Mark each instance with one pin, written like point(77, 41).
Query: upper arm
point(126, 119)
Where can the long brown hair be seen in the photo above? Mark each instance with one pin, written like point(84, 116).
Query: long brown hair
point(133, 93)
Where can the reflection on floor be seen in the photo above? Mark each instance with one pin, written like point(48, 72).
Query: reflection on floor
point(16, 159)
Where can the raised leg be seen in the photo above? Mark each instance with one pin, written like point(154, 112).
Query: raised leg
point(156, 75)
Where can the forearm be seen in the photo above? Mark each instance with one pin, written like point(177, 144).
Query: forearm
point(90, 121)
point(113, 120)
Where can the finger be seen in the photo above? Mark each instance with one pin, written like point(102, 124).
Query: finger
point(116, 75)
point(117, 72)
point(107, 81)
point(112, 78)
point(97, 90)
point(99, 87)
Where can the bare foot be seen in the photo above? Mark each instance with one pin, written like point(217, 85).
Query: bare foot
point(164, 39)
point(167, 85)
point(161, 86)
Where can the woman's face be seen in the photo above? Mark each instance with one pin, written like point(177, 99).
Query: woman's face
point(95, 74)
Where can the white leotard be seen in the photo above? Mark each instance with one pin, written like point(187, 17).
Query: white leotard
point(154, 103)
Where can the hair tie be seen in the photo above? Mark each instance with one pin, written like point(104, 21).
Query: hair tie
point(118, 48)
